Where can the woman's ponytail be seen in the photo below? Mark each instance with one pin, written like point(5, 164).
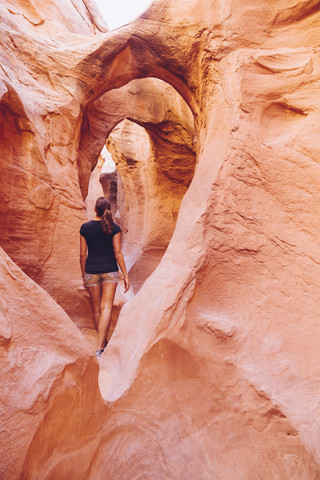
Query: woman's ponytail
point(103, 209)
point(107, 221)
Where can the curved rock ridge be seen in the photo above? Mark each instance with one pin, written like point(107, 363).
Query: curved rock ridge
point(39, 114)
point(152, 104)
point(250, 206)
point(54, 21)
point(48, 378)
point(47, 123)
point(213, 368)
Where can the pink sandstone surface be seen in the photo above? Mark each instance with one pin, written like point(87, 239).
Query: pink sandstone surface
point(213, 369)
point(156, 164)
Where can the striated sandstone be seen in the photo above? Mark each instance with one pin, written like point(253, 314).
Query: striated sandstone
point(49, 390)
point(214, 364)
point(47, 126)
point(152, 104)
point(41, 207)
point(240, 276)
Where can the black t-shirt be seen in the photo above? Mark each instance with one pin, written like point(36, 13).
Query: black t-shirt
point(101, 257)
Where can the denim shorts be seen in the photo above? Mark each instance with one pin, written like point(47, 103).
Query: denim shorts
point(94, 279)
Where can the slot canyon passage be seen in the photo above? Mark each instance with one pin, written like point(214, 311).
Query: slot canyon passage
point(211, 110)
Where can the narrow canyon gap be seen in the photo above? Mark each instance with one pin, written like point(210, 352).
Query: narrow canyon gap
point(155, 158)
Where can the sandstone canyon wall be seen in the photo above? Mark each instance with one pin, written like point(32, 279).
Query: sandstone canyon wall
point(213, 369)
point(40, 116)
point(47, 372)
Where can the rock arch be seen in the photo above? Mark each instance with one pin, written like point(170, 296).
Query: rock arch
point(144, 101)
point(155, 185)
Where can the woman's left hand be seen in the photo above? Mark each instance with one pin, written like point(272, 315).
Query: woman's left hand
point(126, 283)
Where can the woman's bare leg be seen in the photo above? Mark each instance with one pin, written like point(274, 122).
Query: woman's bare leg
point(107, 297)
point(95, 297)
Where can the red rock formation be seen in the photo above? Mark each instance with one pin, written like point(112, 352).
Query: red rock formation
point(49, 387)
point(214, 363)
point(41, 206)
point(242, 264)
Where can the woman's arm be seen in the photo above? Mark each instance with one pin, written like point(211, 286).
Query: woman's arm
point(83, 256)
point(119, 257)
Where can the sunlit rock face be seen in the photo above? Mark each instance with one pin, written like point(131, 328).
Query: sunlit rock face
point(238, 282)
point(58, 134)
point(214, 364)
point(103, 182)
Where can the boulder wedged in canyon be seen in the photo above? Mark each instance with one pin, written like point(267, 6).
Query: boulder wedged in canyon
point(216, 358)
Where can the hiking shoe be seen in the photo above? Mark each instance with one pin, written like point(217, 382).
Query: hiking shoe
point(99, 352)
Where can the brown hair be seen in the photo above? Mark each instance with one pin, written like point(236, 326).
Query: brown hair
point(103, 209)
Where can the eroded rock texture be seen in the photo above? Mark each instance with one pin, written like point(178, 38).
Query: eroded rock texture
point(155, 158)
point(214, 363)
point(47, 372)
point(40, 115)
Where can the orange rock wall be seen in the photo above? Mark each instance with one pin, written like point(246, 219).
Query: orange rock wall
point(47, 371)
point(41, 207)
point(238, 282)
point(155, 158)
point(214, 363)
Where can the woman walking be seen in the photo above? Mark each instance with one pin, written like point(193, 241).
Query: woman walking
point(101, 239)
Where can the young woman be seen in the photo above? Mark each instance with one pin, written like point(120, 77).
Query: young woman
point(100, 273)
